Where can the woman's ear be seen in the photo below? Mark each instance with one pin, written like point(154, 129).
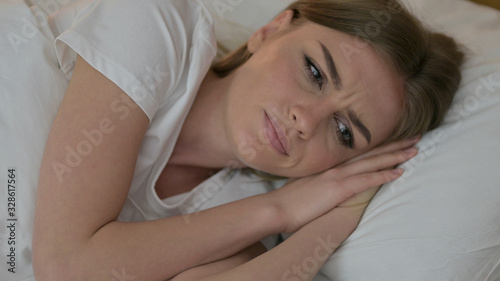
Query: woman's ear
point(281, 22)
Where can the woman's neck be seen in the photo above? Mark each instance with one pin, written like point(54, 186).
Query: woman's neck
point(202, 141)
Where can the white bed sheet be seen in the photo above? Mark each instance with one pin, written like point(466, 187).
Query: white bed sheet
point(441, 221)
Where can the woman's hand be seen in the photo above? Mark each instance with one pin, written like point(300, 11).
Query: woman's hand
point(302, 200)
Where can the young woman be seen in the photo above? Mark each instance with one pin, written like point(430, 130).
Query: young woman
point(329, 94)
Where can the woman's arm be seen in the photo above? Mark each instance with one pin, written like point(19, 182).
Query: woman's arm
point(320, 239)
point(220, 266)
point(298, 258)
point(85, 176)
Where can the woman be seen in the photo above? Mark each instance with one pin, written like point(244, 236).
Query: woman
point(312, 96)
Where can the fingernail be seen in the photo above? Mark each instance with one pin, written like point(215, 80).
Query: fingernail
point(411, 150)
point(398, 171)
point(415, 138)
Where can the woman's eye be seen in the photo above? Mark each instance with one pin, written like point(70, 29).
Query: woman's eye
point(313, 73)
point(344, 134)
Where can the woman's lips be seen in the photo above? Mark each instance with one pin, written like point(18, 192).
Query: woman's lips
point(275, 135)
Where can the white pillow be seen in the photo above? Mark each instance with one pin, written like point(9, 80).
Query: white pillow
point(441, 220)
point(236, 20)
point(28, 105)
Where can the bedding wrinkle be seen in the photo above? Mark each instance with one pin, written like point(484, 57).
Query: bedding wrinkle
point(439, 223)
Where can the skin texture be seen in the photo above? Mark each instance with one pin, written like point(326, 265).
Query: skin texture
point(275, 82)
point(76, 235)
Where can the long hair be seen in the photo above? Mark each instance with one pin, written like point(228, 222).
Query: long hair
point(430, 62)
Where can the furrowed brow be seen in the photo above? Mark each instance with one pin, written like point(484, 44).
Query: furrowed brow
point(334, 75)
point(362, 128)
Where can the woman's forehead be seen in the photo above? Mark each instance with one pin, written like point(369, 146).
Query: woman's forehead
point(371, 87)
point(357, 56)
point(360, 67)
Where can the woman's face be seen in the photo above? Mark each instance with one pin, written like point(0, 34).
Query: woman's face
point(308, 99)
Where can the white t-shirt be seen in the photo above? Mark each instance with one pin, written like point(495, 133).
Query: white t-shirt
point(156, 51)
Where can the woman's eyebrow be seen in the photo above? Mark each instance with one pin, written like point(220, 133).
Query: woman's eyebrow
point(338, 85)
point(334, 75)
point(362, 128)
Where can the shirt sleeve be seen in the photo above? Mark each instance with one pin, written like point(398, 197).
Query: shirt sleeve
point(142, 46)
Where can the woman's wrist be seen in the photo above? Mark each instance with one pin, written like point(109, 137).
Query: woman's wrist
point(270, 215)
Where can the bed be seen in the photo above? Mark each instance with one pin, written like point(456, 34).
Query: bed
point(440, 221)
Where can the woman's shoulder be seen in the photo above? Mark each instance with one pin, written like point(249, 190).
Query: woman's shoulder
point(63, 17)
point(142, 46)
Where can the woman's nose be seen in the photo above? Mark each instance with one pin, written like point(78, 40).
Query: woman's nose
point(306, 120)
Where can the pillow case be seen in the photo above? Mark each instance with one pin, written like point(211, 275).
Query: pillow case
point(441, 220)
point(31, 89)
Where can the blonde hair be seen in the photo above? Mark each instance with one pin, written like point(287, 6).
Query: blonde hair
point(430, 62)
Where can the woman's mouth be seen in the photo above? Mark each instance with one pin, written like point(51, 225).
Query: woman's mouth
point(276, 135)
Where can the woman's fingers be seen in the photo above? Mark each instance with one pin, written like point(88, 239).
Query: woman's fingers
point(359, 183)
point(387, 148)
point(332, 187)
point(378, 162)
point(395, 146)
point(304, 199)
